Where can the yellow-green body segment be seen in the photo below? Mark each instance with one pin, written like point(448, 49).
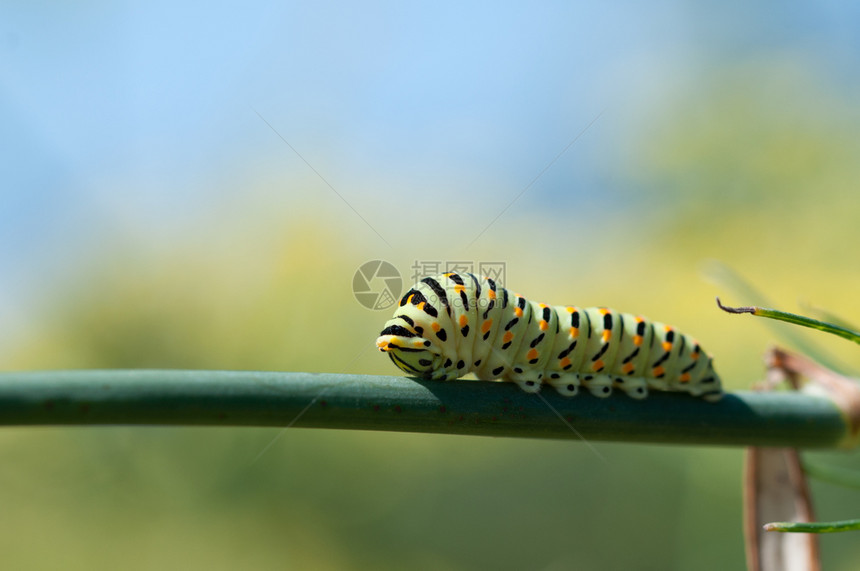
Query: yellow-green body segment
point(451, 324)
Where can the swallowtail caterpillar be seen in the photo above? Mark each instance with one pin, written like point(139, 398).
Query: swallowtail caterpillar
point(451, 324)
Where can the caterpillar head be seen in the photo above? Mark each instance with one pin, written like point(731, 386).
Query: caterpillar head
point(413, 354)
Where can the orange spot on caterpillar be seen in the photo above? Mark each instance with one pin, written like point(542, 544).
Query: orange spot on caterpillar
point(637, 340)
point(435, 326)
point(418, 343)
point(574, 332)
point(485, 326)
point(508, 336)
point(667, 346)
point(606, 335)
point(564, 362)
point(543, 325)
point(533, 354)
point(694, 355)
point(603, 311)
point(542, 305)
point(459, 288)
point(658, 370)
point(518, 312)
point(464, 321)
point(421, 305)
point(684, 378)
point(570, 309)
point(491, 294)
point(627, 368)
point(598, 365)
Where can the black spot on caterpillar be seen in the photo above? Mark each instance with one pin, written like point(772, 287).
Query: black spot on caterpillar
point(454, 319)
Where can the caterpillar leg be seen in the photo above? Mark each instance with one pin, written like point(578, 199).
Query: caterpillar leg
point(443, 375)
point(599, 385)
point(448, 371)
point(707, 390)
point(528, 385)
point(438, 375)
point(657, 384)
point(567, 385)
point(635, 387)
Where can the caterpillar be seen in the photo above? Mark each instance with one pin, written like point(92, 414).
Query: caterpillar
point(451, 324)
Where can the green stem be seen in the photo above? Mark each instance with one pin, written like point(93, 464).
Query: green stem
point(794, 318)
point(244, 398)
point(832, 474)
point(819, 527)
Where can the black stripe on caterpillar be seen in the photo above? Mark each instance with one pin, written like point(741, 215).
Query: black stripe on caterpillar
point(451, 324)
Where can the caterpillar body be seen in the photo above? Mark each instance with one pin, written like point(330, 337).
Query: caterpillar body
point(451, 324)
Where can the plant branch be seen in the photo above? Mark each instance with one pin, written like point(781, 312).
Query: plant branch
point(814, 527)
point(319, 400)
point(780, 315)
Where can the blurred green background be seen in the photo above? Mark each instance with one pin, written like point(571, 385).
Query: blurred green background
point(150, 218)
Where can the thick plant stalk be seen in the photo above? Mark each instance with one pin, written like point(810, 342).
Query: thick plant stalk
point(245, 398)
point(776, 488)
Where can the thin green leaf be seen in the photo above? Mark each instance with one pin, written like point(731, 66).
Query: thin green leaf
point(827, 316)
point(795, 319)
point(726, 277)
point(817, 527)
point(832, 474)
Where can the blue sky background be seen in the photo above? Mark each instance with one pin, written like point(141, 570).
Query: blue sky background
point(125, 122)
